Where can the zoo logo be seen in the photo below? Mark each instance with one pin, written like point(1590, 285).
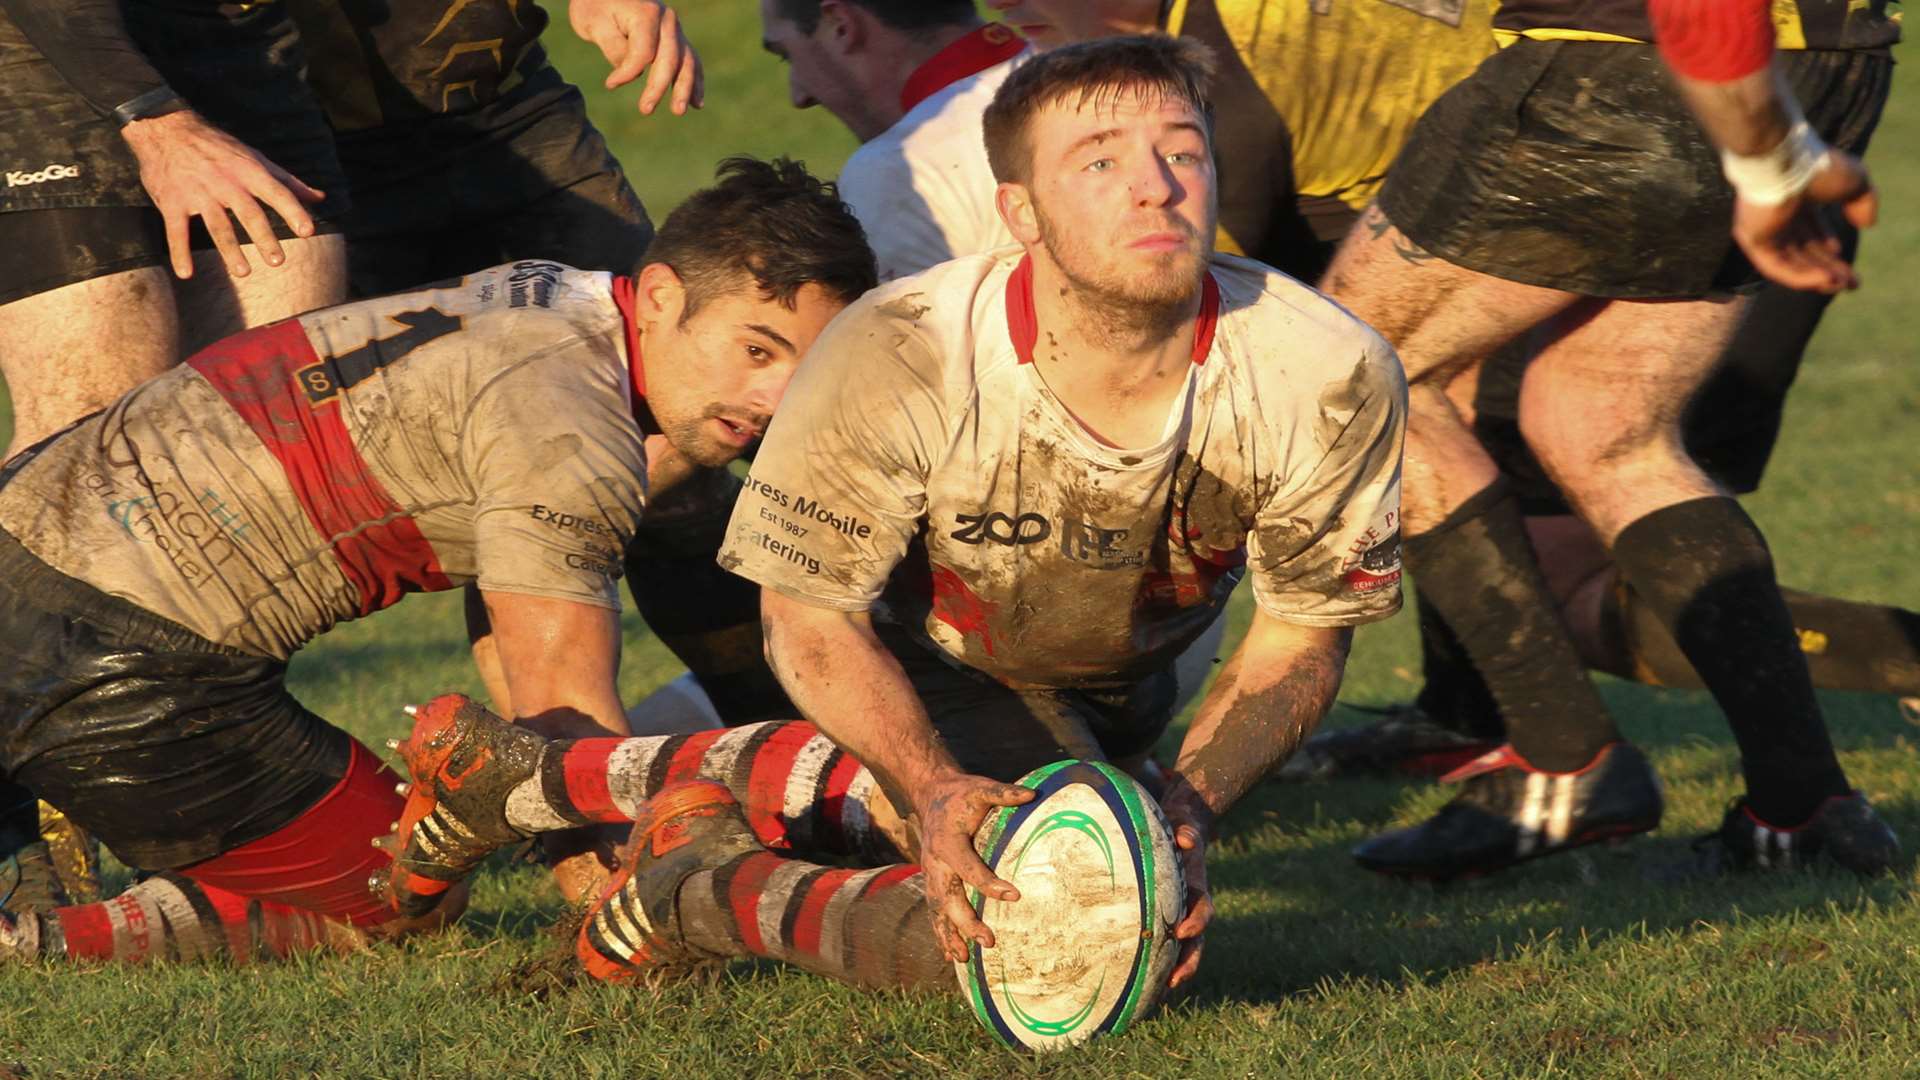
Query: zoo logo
point(1002, 529)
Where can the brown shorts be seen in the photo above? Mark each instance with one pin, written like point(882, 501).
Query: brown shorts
point(1574, 165)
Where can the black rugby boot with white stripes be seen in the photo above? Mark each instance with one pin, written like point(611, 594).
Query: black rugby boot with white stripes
point(1508, 812)
point(1845, 829)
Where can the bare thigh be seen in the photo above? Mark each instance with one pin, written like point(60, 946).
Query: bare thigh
point(215, 304)
point(74, 350)
point(1443, 320)
point(1602, 403)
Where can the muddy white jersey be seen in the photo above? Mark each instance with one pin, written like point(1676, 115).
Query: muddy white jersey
point(920, 467)
point(319, 468)
point(922, 189)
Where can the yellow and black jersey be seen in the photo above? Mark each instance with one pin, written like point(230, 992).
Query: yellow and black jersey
point(1342, 80)
point(378, 63)
point(1798, 24)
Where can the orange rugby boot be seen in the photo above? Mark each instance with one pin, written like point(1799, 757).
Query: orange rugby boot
point(464, 762)
point(635, 925)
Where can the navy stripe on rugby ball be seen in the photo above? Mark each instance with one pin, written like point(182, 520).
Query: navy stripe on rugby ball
point(1064, 775)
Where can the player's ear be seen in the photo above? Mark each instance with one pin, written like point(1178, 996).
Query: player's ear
point(1015, 203)
point(659, 294)
point(842, 26)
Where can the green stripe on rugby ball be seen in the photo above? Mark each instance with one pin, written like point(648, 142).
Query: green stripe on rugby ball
point(1087, 948)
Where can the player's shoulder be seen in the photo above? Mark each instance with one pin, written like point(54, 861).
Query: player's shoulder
point(941, 316)
point(1281, 324)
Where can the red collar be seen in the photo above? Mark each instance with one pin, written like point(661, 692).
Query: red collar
point(623, 293)
point(971, 55)
point(1023, 324)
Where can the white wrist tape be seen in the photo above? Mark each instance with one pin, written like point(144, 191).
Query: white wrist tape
point(1774, 176)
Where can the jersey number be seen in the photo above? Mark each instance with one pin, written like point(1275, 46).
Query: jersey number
point(323, 380)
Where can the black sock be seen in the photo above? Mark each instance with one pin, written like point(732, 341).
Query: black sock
point(1478, 571)
point(1848, 645)
point(1704, 569)
point(1452, 693)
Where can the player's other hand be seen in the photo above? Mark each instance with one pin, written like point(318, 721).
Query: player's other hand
point(192, 169)
point(1791, 246)
point(950, 811)
point(636, 34)
point(1192, 823)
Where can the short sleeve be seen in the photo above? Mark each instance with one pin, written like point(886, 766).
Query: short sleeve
point(555, 503)
point(838, 489)
point(1325, 549)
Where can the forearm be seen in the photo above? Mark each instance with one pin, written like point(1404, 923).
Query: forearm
point(87, 42)
point(845, 681)
point(1269, 696)
point(1721, 56)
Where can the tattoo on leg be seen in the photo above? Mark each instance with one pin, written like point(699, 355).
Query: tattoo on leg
point(1410, 251)
point(1376, 222)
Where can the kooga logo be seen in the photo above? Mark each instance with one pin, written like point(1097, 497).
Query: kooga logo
point(15, 178)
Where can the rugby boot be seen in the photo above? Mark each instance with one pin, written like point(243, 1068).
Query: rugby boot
point(1508, 812)
point(1845, 829)
point(635, 925)
point(1406, 741)
point(464, 761)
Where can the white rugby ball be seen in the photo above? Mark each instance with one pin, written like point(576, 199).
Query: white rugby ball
point(1087, 948)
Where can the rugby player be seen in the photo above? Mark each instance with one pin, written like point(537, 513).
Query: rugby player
point(165, 558)
point(1494, 222)
point(910, 79)
point(1002, 496)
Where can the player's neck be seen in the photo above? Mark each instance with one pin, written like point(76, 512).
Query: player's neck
point(1117, 368)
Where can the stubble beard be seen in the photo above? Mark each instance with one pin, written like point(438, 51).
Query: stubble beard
point(1120, 309)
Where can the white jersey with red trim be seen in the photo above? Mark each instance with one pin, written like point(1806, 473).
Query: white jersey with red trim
point(920, 466)
point(317, 469)
point(922, 189)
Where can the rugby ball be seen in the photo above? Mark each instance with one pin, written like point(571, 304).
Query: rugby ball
point(1087, 948)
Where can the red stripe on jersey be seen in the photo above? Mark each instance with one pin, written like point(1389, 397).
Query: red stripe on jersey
point(743, 897)
point(893, 875)
point(1023, 321)
point(813, 909)
point(957, 605)
point(767, 782)
point(686, 760)
point(380, 550)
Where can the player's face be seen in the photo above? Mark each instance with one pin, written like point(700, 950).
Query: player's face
point(816, 75)
point(714, 381)
point(1123, 196)
point(1049, 23)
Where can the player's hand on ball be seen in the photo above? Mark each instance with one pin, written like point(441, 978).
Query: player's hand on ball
point(1790, 245)
point(1192, 822)
point(950, 811)
point(636, 34)
point(192, 169)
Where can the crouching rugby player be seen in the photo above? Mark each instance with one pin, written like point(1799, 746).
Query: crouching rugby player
point(1001, 498)
point(161, 561)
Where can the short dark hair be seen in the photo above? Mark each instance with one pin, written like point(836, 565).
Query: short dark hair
point(1150, 65)
point(773, 221)
point(899, 14)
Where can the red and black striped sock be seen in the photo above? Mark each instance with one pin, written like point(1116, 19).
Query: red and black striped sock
point(865, 927)
point(800, 792)
point(172, 917)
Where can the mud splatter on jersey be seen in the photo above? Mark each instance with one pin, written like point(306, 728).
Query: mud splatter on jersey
point(919, 466)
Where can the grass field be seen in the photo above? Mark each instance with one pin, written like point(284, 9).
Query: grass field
point(1577, 966)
